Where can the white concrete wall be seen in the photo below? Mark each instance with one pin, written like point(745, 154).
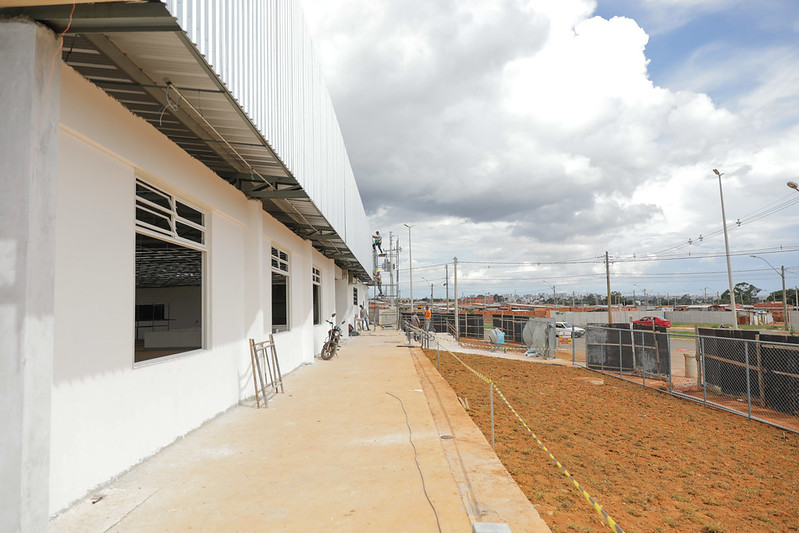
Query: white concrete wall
point(699, 317)
point(601, 317)
point(29, 111)
point(107, 413)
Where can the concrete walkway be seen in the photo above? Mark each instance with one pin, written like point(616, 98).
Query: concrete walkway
point(335, 452)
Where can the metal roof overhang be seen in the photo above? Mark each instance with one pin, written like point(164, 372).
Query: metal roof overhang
point(138, 54)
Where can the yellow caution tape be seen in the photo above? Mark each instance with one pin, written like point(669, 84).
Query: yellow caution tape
point(598, 508)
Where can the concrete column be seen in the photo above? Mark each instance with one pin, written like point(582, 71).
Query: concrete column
point(29, 113)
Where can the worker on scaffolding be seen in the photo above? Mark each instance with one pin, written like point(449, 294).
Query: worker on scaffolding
point(377, 242)
point(379, 282)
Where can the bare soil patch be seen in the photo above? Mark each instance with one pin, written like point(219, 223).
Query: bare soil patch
point(654, 462)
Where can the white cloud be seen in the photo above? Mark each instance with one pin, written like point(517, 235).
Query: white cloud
point(532, 130)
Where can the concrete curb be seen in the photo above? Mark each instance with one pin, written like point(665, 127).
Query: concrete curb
point(490, 495)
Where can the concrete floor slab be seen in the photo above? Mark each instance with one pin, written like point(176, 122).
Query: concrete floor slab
point(354, 444)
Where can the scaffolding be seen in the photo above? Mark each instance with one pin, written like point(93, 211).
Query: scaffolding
point(385, 282)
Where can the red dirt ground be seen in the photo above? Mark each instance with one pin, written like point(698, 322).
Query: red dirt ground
point(652, 461)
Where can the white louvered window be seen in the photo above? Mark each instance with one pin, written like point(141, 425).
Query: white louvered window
point(170, 254)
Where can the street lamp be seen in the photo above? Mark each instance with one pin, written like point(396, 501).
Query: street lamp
point(431, 290)
point(727, 249)
point(554, 298)
point(410, 261)
point(711, 292)
point(785, 318)
point(644, 294)
point(793, 185)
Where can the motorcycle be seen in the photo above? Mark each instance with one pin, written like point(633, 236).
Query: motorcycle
point(331, 345)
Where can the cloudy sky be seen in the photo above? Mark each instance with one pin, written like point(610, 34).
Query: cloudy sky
point(529, 137)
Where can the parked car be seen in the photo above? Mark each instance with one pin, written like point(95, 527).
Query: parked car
point(656, 320)
point(564, 328)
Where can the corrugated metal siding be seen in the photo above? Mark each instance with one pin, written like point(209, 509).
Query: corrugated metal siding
point(263, 53)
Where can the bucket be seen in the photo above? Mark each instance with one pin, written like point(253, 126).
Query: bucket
point(690, 365)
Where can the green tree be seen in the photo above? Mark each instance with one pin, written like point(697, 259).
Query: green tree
point(745, 293)
point(776, 296)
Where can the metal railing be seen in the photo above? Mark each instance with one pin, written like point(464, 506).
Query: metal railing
point(745, 372)
point(414, 333)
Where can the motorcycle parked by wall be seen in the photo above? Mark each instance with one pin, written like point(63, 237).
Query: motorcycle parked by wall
point(331, 345)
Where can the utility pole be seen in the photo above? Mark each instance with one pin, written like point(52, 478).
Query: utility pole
point(786, 318)
point(410, 261)
point(391, 266)
point(727, 250)
point(607, 275)
point(397, 299)
point(457, 322)
point(446, 274)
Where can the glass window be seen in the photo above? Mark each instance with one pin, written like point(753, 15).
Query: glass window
point(280, 290)
point(316, 287)
point(170, 253)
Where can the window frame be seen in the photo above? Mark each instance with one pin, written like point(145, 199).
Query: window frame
point(171, 214)
point(280, 264)
point(316, 295)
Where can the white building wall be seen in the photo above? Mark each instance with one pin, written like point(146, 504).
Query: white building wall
point(107, 413)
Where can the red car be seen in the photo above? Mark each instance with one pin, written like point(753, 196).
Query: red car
point(656, 320)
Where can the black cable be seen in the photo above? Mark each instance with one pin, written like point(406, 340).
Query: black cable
point(416, 458)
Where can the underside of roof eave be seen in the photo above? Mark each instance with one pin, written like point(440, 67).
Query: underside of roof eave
point(124, 48)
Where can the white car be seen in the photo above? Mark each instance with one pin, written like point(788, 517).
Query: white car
point(564, 328)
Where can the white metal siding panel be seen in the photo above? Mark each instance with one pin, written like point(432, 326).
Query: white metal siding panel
point(263, 53)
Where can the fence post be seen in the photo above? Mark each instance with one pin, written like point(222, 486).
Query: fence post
point(668, 347)
point(760, 383)
point(643, 353)
point(491, 395)
point(620, 365)
point(438, 355)
point(601, 361)
point(748, 389)
point(573, 343)
point(704, 377)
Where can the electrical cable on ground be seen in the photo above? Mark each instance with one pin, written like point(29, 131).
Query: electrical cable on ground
point(416, 458)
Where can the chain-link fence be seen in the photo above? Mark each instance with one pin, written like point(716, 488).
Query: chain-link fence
point(746, 372)
point(470, 325)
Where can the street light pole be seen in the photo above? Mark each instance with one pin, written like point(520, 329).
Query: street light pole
point(431, 290)
point(410, 261)
point(727, 249)
point(554, 298)
point(785, 318)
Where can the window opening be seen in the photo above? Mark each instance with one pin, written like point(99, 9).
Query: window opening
point(316, 287)
point(170, 252)
point(280, 290)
